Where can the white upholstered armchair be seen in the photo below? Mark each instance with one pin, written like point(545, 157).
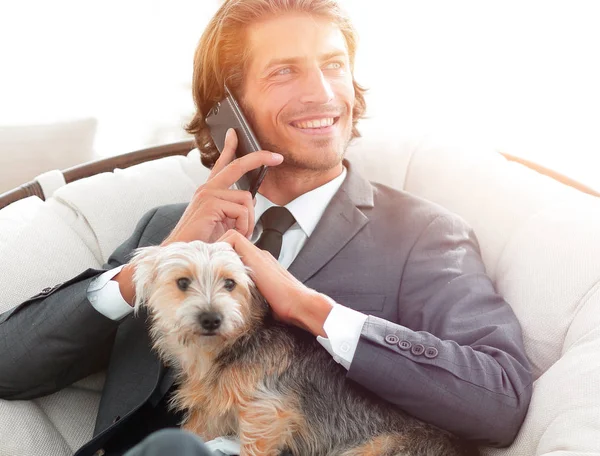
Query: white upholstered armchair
point(539, 239)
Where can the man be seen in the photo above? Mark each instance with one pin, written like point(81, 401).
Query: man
point(391, 285)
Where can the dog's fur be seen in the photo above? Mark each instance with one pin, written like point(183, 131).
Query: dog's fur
point(270, 384)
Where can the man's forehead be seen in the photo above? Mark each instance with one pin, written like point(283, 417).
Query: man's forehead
point(293, 38)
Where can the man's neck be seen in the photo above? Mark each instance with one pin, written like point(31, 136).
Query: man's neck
point(282, 185)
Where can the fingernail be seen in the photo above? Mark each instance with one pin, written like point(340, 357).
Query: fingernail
point(277, 157)
point(228, 134)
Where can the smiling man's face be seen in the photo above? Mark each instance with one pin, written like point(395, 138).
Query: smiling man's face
point(298, 91)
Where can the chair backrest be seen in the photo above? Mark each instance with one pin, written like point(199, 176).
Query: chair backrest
point(33, 188)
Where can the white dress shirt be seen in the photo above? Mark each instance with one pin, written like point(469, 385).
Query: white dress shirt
point(343, 325)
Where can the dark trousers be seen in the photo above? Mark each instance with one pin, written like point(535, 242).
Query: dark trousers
point(173, 442)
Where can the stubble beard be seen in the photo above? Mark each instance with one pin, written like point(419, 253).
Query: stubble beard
point(294, 160)
point(313, 162)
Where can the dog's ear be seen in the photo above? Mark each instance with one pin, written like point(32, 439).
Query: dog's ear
point(145, 261)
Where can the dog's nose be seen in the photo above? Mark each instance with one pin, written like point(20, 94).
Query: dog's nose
point(210, 320)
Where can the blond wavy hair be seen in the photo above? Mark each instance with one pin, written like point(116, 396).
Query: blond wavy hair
point(221, 56)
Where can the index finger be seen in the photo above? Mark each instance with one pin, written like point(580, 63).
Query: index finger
point(228, 153)
point(231, 173)
point(242, 245)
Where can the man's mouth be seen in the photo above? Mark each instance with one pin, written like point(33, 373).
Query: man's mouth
point(323, 127)
point(315, 124)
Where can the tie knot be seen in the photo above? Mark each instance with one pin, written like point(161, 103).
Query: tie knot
point(277, 218)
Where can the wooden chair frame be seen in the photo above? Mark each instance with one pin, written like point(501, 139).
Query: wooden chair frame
point(33, 188)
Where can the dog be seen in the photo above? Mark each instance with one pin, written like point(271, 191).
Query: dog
point(242, 372)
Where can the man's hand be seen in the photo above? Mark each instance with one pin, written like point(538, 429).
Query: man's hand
point(292, 302)
point(215, 208)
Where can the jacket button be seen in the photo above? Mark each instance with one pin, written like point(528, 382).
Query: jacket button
point(392, 339)
point(417, 349)
point(100, 452)
point(404, 345)
point(431, 352)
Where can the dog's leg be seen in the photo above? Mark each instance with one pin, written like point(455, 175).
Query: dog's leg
point(267, 426)
point(196, 422)
point(208, 426)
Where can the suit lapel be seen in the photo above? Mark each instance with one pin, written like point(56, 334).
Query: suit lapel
point(339, 224)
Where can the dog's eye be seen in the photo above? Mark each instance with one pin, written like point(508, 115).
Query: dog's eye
point(229, 284)
point(184, 283)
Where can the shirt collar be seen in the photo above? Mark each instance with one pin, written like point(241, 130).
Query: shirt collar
point(308, 208)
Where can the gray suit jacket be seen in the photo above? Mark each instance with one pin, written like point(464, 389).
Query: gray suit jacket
point(439, 342)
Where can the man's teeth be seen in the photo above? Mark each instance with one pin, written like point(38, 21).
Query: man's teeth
point(317, 123)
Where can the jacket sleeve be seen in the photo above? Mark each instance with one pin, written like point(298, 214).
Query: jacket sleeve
point(56, 337)
point(456, 359)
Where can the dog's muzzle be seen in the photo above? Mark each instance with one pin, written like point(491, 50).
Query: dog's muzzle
point(210, 322)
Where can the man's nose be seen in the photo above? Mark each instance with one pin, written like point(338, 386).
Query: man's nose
point(317, 88)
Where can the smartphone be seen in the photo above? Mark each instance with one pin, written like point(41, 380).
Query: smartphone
point(227, 114)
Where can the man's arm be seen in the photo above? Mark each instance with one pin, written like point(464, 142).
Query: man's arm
point(57, 337)
point(457, 359)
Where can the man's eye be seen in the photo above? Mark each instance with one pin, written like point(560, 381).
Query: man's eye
point(229, 284)
point(334, 66)
point(184, 283)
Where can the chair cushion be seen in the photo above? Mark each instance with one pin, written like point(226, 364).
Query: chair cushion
point(109, 205)
point(38, 249)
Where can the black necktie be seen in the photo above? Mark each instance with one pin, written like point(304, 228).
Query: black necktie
point(275, 221)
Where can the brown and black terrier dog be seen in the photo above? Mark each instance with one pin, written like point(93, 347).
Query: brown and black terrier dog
point(242, 373)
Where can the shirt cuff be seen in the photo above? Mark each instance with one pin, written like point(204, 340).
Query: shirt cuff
point(105, 296)
point(225, 445)
point(343, 327)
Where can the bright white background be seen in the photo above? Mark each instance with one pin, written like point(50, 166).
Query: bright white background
point(520, 75)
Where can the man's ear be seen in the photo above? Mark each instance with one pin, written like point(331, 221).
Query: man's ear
point(145, 261)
